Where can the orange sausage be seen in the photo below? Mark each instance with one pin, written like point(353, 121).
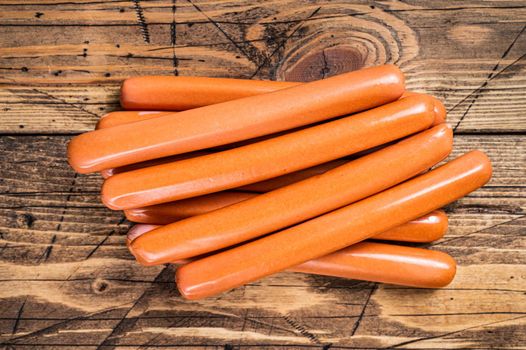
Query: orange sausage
point(125, 117)
point(425, 229)
point(287, 179)
point(267, 159)
point(440, 110)
point(166, 213)
point(386, 263)
point(182, 93)
point(341, 228)
point(428, 228)
point(294, 203)
point(235, 120)
point(399, 265)
point(263, 186)
point(107, 173)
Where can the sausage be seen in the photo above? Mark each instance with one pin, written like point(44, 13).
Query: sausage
point(182, 93)
point(428, 228)
point(440, 110)
point(107, 173)
point(386, 263)
point(401, 265)
point(125, 117)
point(263, 186)
point(267, 159)
point(294, 203)
point(341, 228)
point(166, 213)
point(287, 179)
point(425, 229)
point(235, 120)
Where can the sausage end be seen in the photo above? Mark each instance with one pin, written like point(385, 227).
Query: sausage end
point(75, 152)
point(447, 273)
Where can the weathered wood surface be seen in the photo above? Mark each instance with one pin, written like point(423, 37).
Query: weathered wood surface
point(66, 277)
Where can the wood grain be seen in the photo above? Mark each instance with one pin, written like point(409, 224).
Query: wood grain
point(66, 277)
point(61, 65)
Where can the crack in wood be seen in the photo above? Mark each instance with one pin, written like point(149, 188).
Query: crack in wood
point(117, 327)
point(173, 38)
point(282, 44)
point(362, 313)
point(245, 316)
point(68, 198)
point(61, 101)
point(326, 69)
point(215, 24)
point(141, 20)
point(18, 316)
point(49, 248)
point(101, 243)
point(475, 232)
point(302, 330)
point(178, 320)
point(451, 333)
point(488, 78)
point(45, 330)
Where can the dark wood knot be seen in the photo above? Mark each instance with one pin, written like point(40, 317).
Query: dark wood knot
point(100, 286)
point(325, 63)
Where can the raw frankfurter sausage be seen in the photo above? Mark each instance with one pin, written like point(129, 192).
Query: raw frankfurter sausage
point(125, 117)
point(425, 229)
point(386, 263)
point(235, 120)
point(267, 159)
point(294, 203)
point(166, 213)
point(287, 179)
point(401, 265)
point(440, 110)
point(107, 173)
point(341, 228)
point(182, 93)
point(118, 118)
point(428, 228)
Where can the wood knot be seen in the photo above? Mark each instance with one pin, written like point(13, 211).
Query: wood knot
point(100, 286)
point(323, 47)
point(325, 63)
point(25, 220)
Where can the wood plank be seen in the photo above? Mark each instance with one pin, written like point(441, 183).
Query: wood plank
point(64, 72)
point(67, 277)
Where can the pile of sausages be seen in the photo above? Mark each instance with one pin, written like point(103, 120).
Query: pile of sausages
point(235, 180)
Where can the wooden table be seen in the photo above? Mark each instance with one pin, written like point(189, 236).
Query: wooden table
point(66, 276)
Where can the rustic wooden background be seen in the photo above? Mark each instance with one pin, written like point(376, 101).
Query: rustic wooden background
point(66, 276)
